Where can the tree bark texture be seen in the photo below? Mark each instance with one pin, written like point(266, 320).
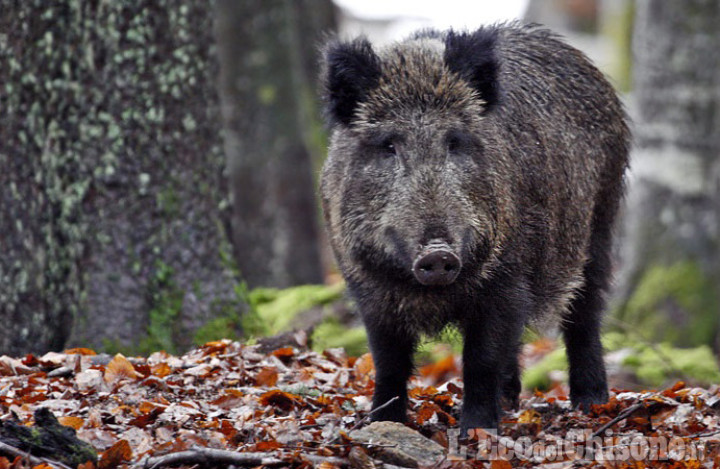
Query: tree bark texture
point(672, 225)
point(272, 136)
point(112, 182)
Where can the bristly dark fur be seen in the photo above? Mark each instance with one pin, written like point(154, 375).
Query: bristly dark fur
point(502, 150)
point(351, 70)
point(472, 56)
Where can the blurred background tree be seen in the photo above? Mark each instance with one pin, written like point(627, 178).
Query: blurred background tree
point(669, 286)
point(273, 135)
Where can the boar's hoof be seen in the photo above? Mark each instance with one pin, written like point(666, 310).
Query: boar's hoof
point(438, 266)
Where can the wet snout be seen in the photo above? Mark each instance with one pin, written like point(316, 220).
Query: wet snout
point(437, 264)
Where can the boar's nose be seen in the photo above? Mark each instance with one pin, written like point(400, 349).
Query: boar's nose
point(438, 265)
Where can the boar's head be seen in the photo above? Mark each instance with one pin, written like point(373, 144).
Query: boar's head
point(415, 187)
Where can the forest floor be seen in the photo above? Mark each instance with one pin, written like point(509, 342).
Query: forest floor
point(231, 405)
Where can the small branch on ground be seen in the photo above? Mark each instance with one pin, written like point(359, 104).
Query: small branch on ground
point(704, 434)
point(34, 460)
point(381, 407)
point(621, 416)
point(212, 457)
point(366, 418)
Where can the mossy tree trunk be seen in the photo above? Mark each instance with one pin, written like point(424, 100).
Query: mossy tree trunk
point(41, 181)
point(672, 254)
point(111, 181)
point(267, 50)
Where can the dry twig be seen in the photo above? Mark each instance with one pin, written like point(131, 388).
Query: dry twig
point(365, 418)
point(621, 416)
point(34, 460)
point(213, 457)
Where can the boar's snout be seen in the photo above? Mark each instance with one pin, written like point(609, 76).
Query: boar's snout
point(436, 265)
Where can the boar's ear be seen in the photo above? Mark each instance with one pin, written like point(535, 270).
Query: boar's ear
point(473, 57)
point(350, 71)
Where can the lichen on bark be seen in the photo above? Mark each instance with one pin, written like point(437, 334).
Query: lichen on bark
point(113, 165)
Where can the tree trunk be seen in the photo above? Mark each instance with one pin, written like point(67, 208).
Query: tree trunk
point(43, 178)
point(271, 134)
point(671, 258)
point(111, 200)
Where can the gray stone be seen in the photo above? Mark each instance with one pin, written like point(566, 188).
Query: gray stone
point(394, 443)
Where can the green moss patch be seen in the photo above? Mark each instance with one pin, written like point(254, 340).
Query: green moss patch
point(330, 334)
point(538, 375)
point(273, 310)
point(676, 304)
point(655, 365)
point(166, 300)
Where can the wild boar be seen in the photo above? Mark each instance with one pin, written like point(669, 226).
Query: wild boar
point(473, 178)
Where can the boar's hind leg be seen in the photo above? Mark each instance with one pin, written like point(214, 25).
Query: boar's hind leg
point(392, 352)
point(581, 329)
point(490, 353)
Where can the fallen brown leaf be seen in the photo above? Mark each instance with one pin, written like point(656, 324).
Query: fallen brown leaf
point(117, 454)
point(120, 368)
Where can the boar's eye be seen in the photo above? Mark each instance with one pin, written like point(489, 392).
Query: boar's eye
point(453, 143)
point(384, 144)
point(457, 141)
point(389, 147)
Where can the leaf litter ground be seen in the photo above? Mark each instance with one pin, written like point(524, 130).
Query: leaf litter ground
point(294, 407)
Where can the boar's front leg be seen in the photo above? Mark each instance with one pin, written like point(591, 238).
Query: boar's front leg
point(492, 336)
point(392, 350)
